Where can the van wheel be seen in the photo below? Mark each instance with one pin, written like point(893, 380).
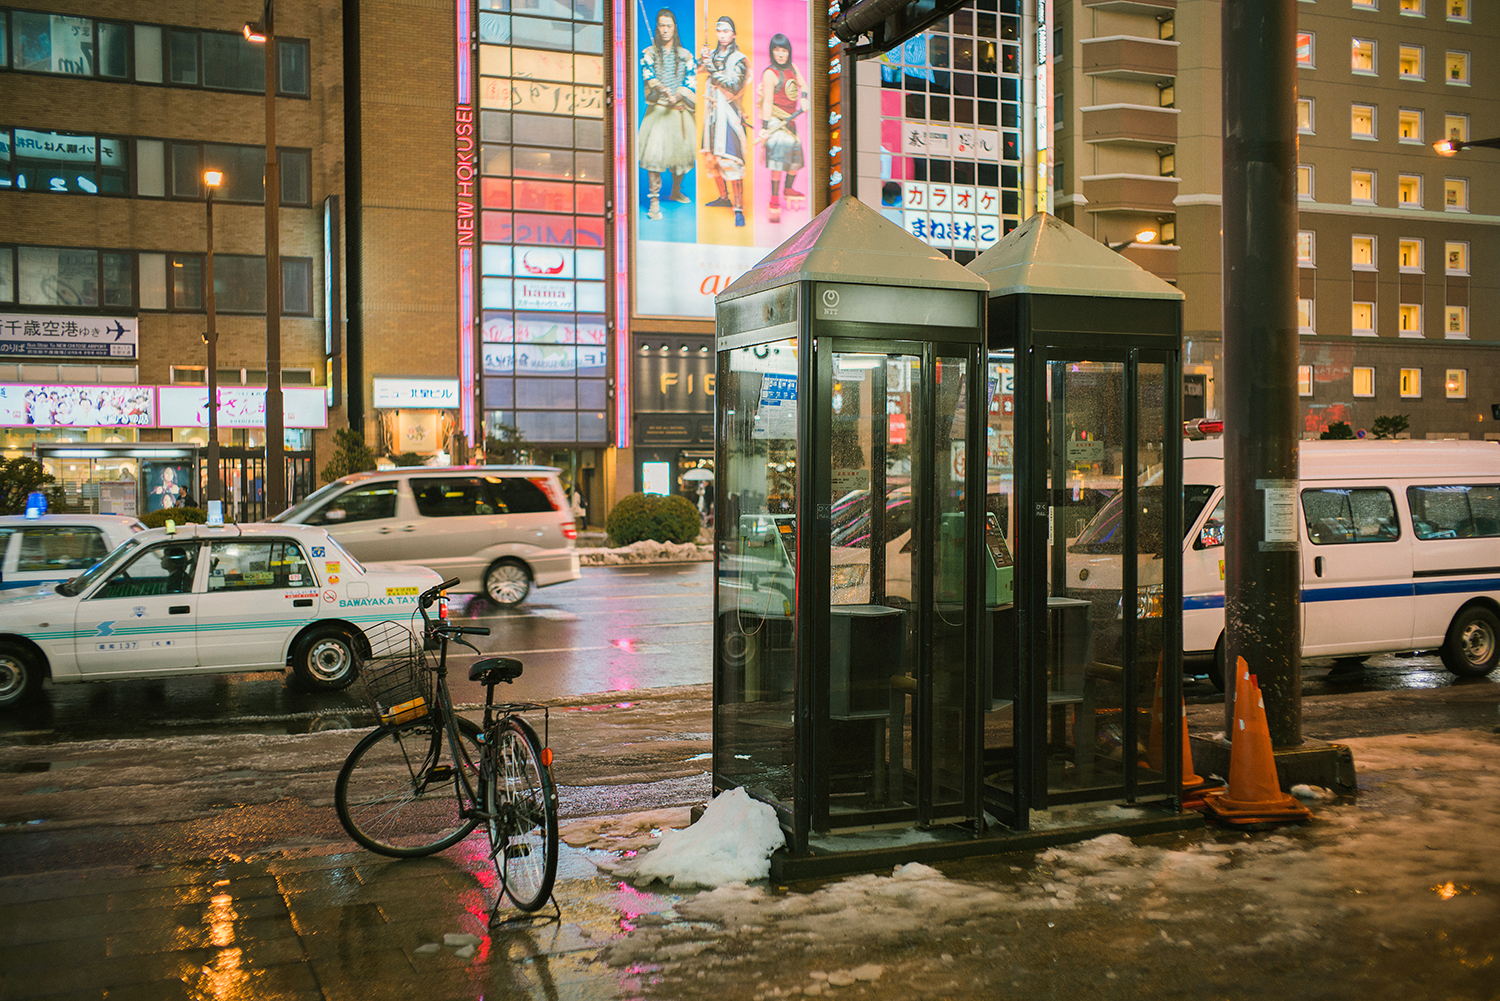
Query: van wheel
point(507, 583)
point(1220, 670)
point(20, 675)
point(1472, 648)
point(324, 660)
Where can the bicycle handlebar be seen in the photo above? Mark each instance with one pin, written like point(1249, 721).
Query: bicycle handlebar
point(461, 630)
point(430, 595)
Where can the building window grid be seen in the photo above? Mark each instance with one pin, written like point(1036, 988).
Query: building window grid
point(1362, 57)
point(1409, 191)
point(1362, 319)
point(1363, 381)
point(1411, 383)
point(1414, 8)
point(1410, 316)
point(1307, 122)
point(1410, 126)
point(1458, 10)
point(1457, 66)
point(1456, 257)
point(1409, 254)
point(1411, 62)
point(1456, 323)
point(1456, 384)
point(1457, 127)
point(1456, 194)
point(1304, 380)
point(1305, 190)
point(1362, 121)
point(1362, 252)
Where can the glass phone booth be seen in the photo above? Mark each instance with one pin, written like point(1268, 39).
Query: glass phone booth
point(852, 556)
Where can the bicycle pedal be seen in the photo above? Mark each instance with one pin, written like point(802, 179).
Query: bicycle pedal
point(440, 773)
point(517, 851)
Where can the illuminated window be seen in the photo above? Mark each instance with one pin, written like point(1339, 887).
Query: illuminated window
point(1411, 62)
point(1167, 96)
point(1364, 381)
point(1457, 67)
point(1410, 254)
point(1362, 253)
point(1365, 4)
point(1306, 45)
point(1166, 28)
point(1411, 383)
point(1167, 164)
point(1305, 316)
point(1304, 182)
point(1362, 319)
point(1411, 320)
point(1304, 380)
point(1458, 10)
point(1457, 127)
point(1457, 257)
point(1305, 115)
point(1362, 56)
point(1409, 191)
point(1457, 383)
point(1305, 247)
point(1456, 322)
point(1410, 128)
point(1456, 194)
point(1362, 186)
point(1169, 231)
point(1417, 7)
point(1362, 121)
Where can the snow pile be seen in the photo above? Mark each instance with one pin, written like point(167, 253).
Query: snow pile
point(731, 843)
point(631, 832)
point(646, 551)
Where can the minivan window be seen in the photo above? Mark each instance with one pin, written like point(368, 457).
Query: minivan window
point(365, 503)
point(61, 548)
point(451, 496)
point(1455, 512)
point(1102, 534)
point(1212, 533)
point(1340, 515)
point(516, 495)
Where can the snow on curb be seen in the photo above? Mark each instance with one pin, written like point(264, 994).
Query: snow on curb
point(646, 551)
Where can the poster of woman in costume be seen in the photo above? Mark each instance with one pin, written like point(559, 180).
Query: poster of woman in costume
point(782, 99)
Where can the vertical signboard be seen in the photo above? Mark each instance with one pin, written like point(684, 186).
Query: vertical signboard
point(722, 145)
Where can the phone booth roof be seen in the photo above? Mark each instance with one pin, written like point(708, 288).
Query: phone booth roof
point(1046, 256)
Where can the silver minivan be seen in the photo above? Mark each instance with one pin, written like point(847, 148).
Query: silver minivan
point(499, 529)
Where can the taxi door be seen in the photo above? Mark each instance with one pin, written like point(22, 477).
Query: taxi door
point(260, 591)
point(142, 617)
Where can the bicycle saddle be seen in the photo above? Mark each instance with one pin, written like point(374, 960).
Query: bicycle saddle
point(493, 670)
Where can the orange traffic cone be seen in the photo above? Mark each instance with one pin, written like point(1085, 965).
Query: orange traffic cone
point(1193, 784)
point(1254, 795)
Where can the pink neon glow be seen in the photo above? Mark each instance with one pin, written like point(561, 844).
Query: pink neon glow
point(464, 101)
point(623, 171)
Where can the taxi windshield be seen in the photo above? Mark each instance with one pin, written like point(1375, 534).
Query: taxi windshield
point(311, 502)
point(76, 585)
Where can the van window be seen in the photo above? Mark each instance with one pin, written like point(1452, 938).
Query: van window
point(516, 495)
point(366, 503)
point(1103, 532)
point(452, 497)
point(1339, 515)
point(61, 548)
point(1456, 512)
point(1212, 534)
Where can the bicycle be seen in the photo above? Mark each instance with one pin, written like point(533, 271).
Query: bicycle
point(426, 777)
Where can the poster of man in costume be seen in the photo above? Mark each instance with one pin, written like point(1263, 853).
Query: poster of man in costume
point(666, 141)
point(727, 73)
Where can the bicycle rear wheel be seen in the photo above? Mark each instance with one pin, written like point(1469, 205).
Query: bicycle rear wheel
point(522, 804)
point(399, 794)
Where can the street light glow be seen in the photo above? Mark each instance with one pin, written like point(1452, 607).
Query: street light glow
point(1445, 147)
point(213, 178)
point(255, 33)
point(1145, 236)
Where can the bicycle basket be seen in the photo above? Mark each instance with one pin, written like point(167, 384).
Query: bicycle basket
point(396, 686)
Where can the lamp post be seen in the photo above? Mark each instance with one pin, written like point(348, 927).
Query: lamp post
point(211, 180)
point(1448, 147)
point(274, 478)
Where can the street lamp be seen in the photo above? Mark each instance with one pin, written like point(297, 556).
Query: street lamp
point(274, 479)
point(211, 180)
point(1448, 147)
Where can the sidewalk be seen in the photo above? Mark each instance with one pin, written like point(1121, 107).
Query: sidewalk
point(1396, 894)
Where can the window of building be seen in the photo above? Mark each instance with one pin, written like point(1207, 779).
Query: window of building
point(1409, 191)
point(1457, 127)
point(1410, 128)
point(1456, 194)
point(1416, 7)
point(1411, 319)
point(64, 162)
point(1305, 316)
point(1457, 64)
point(1411, 383)
point(1362, 186)
point(1458, 10)
point(1166, 164)
point(1456, 322)
point(1305, 121)
point(1456, 384)
point(1306, 48)
point(1364, 381)
point(1365, 4)
point(174, 282)
point(1411, 62)
point(1304, 182)
point(1409, 251)
point(1456, 255)
point(1362, 56)
point(71, 276)
point(1166, 95)
point(1362, 319)
point(1362, 253)
point(1166, 28)
point(1304, 380)
point(1305, 247)
point(1362, 121)
point(189, 375)
point(1169, 231)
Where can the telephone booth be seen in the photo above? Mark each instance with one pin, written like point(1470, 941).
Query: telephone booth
point(1084, 477)
point(849, 591)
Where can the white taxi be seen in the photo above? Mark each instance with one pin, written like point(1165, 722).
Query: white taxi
point(207, 600)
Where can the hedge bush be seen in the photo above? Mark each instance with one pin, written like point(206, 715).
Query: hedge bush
point(179, 516)
point(650, 516)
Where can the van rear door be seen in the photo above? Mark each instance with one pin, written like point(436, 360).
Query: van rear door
point(1356, 572)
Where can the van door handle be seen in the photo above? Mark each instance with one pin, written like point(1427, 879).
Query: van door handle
point(179, 609)
point(302, 603)
point(408, 528)
point(387, 530)
point(1318, 565)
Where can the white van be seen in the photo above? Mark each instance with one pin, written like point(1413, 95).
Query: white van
point(1400, 551)
point(499, 529)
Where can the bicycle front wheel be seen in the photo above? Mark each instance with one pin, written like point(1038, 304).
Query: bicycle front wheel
point(400, 794)
point(522, 805)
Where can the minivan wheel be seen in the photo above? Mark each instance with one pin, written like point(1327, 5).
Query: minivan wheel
point(507, 583)
point(324, 660)
point(20, 675)
point(1472, 648)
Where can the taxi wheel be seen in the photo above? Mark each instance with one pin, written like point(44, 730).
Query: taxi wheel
point(20, 675)
point(325, 660)
point(507, 583)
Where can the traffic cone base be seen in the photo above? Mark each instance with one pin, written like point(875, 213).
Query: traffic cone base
point(1254, 794)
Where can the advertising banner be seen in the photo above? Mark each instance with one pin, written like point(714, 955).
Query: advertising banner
point(417, 394)
point(68, 336)
point(723, 136)
point(167, 484)
point(241, 406)
point(23, 405)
